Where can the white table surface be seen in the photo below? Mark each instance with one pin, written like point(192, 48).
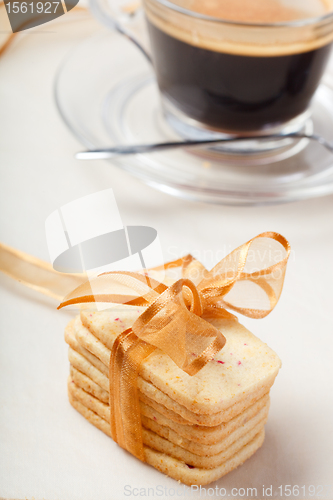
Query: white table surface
point(48, 451)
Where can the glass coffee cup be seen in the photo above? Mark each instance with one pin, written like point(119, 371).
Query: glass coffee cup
point(238, 77)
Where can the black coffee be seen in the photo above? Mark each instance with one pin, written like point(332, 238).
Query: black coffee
point(235, 92)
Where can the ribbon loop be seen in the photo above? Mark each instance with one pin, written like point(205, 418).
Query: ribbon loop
point(250, 279)
point(168, 323)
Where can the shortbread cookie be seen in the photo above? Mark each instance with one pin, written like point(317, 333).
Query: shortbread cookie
point(183, 415)
point(88, 385)
point(202, 449)
point(71, 340)
point(242, 368)
point(203, 420)
point(82, 364)
point(182, 472)
point(175, 468)
point(198, 434)
point(160, 444)
point(207, 451)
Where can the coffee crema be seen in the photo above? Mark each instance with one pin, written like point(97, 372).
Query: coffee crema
point(258, 11)
point(238, 39)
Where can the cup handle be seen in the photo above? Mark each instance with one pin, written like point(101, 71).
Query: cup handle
point(126, 17)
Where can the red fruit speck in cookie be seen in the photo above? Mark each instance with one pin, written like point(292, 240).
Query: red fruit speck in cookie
point(222, 362)
point(117, 319)
point(239, 363)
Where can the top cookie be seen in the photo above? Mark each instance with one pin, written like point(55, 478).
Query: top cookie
point(239, 371)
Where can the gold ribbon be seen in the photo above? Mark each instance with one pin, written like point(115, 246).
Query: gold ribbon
point(249, 280)
point(37, 274)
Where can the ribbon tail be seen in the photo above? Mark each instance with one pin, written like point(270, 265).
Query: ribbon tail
point(37, 274)
point(126, 357)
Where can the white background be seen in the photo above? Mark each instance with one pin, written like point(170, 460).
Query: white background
point(48, 451)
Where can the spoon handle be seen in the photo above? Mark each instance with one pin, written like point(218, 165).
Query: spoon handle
point(124, 149)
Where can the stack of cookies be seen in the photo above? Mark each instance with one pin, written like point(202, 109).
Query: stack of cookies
point(195, 428)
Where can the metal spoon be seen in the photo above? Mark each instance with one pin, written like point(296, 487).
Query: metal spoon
point(124, 149)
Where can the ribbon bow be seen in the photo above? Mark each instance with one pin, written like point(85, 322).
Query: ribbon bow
point(249, 280)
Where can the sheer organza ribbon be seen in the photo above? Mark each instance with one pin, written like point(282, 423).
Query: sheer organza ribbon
point(249, 281)
point(37, 274)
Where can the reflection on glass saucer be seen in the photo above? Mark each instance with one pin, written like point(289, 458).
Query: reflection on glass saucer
point(107, 95)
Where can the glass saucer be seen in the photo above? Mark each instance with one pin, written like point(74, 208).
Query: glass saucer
point(106, 93)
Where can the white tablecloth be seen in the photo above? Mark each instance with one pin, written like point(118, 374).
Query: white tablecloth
point(48, 451)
